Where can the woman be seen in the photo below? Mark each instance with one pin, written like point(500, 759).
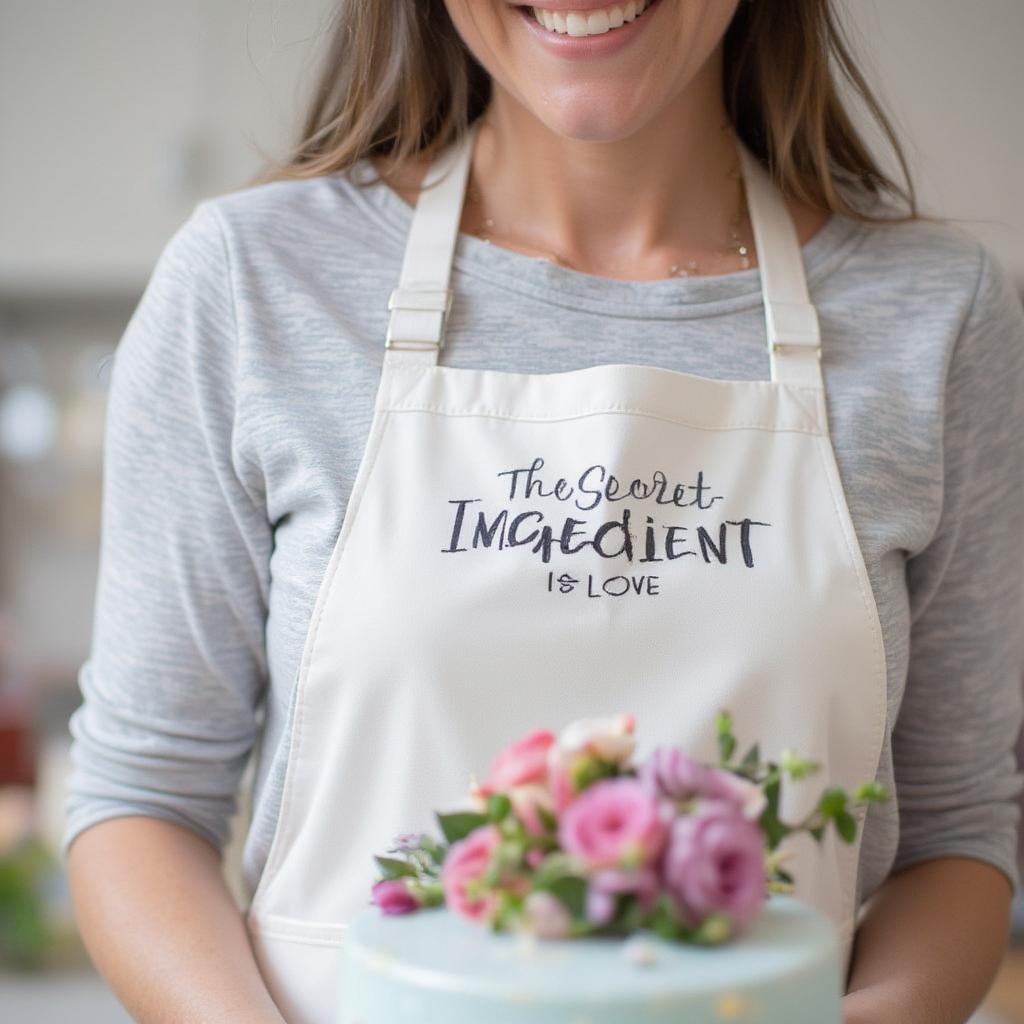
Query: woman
point(381, 452)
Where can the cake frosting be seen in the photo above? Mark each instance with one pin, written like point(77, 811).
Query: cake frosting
point(434, 966)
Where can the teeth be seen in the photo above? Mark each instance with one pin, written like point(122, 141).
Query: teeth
point(590, 23)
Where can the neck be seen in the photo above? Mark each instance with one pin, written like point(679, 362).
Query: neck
point(628, 207)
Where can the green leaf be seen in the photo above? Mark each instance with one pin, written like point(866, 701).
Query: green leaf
point(498, 806)
point(665, 920)
point(871, 792)
point(459, 824)
point(846, 825)
point(430, 894)
point(752, 758)
point(495, 870)
point(726, 740)
point(392, 868)
point(797, 767)
point(548, 820)
point(434, 849)
point(510, 907)
point(832, 801)
point(555, 865)
point(629, 915)
point(588, 770)
point(571, 891)
point(774, 829)
point(510, 853)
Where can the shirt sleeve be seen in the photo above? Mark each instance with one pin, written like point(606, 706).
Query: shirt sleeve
point(176, 671)
point(956, 773)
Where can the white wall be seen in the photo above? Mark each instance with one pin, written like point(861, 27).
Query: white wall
point(117, 115)
point(951, 75)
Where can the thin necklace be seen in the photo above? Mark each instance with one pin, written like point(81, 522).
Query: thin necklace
point(737, 245)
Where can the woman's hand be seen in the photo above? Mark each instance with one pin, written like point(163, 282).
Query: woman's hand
point(929, 944)
point(870, 1006)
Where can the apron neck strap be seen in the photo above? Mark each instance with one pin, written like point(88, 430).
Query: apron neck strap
point(420, 304)
point(794, 339)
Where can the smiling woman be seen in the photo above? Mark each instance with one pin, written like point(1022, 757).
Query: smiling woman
point(398, 431)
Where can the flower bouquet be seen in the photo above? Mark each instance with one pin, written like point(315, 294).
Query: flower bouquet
point(567, 837)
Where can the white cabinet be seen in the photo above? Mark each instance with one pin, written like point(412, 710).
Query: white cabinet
point(116, 116)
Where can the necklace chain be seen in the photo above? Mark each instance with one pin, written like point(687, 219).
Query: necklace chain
point(737, 245)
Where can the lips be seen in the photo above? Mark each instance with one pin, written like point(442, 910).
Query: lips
point(583, 6)
point(590, 22)
point(578, 30)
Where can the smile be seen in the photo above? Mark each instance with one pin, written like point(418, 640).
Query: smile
point(590, 23)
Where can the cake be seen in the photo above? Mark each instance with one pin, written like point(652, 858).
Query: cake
point(581, 886)
point(434, 966)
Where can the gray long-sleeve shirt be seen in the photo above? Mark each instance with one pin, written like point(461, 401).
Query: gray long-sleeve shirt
point(240, 402)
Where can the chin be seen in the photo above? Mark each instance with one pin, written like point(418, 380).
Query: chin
point(591, 115)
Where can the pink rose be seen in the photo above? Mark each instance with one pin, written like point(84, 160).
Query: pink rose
point(464, 866)
point(715, 861)
point(519, 764)
point(393, 897)
point(614, 823)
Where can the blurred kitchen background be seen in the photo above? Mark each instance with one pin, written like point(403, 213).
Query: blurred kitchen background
point(116, 117)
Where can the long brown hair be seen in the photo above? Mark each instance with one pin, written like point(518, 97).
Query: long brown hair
point(397, 82)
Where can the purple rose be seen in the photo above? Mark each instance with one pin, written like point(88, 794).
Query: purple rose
point(715, 861)
point(748, 797)
point(604, 886)
point(393, 897)
point(671, 773)
point(674, 775)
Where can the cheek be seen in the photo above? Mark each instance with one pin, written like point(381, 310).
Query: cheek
point(483, 26)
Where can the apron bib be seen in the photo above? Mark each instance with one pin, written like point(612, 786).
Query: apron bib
point(521, 550)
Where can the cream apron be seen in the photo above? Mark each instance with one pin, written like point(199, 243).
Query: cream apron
point(520, 550)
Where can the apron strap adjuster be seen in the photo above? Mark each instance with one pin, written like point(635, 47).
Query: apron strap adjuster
point(418, 317)
point(788, 346)
point(793, 328)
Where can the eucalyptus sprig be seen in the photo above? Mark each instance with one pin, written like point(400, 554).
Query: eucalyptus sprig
point(835, 805)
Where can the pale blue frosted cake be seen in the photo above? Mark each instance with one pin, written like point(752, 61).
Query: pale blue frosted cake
point(432, 966)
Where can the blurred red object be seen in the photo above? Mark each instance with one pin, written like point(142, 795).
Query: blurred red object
point(17, 754)
point(17, 728)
